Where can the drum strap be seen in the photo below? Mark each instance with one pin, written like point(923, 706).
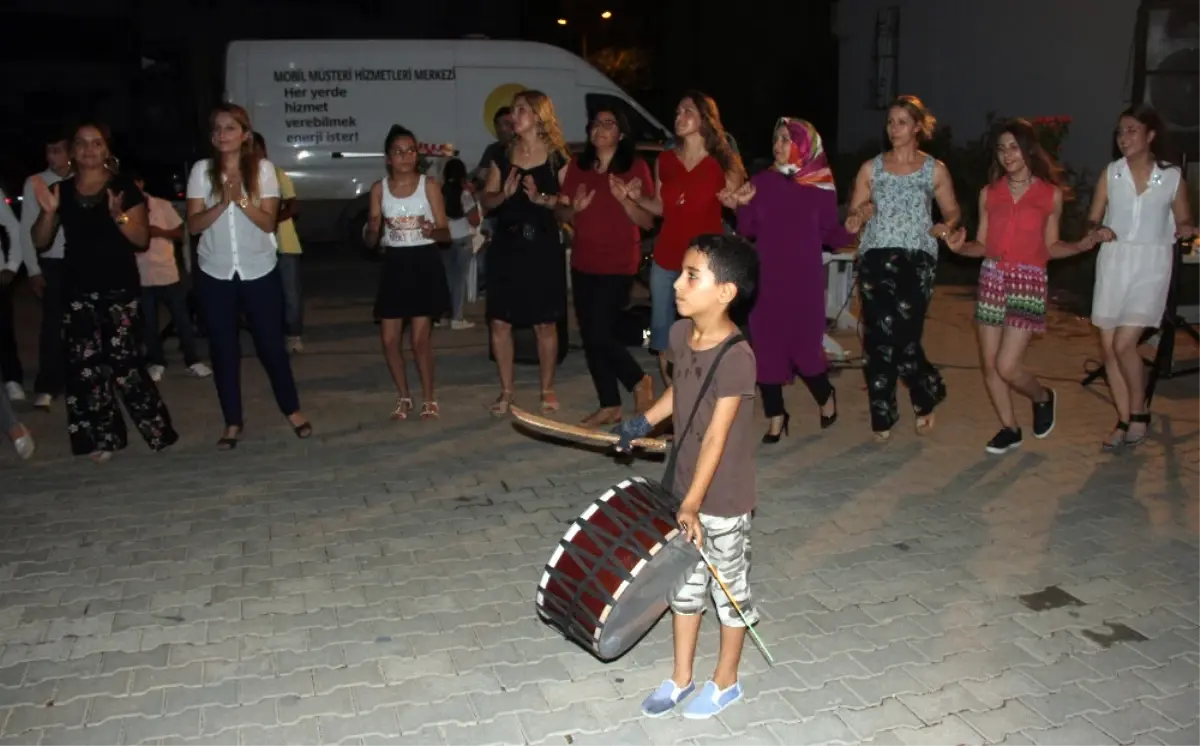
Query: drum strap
point(668, 480)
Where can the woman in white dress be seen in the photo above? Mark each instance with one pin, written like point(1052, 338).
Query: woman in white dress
point(1139, 209)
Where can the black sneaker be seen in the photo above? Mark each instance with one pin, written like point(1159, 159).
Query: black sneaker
point(1043, 415)
point(1006, 440)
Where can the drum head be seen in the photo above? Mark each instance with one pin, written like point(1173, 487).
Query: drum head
point(646, 598)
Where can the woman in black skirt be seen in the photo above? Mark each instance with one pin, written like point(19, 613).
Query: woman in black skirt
point(407, 220)
point(526, 266)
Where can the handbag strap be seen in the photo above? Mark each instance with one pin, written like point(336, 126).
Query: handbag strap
point(712, 372)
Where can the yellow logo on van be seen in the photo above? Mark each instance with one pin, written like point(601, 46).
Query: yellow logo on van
point(497, 100)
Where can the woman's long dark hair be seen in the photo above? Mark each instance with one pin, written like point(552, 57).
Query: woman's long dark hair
point(454, 177)
point(713, 132)
point(1148, 116)
point(395, 133)
point(1036, 158)
point(622, 159)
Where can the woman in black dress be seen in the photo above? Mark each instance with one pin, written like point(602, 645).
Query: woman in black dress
point(103, 218)
point(526, 267)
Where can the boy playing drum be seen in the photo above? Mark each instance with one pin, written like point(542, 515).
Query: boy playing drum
point(713, 474)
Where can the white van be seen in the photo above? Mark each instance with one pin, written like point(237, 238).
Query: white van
point(324, 108)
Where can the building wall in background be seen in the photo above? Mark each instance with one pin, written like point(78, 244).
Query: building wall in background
point(1013, 57)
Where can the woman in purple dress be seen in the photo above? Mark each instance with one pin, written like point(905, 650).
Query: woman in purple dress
point(791, 211)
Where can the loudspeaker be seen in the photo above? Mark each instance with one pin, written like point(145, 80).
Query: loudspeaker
point(525, 344)
point(1167, 69)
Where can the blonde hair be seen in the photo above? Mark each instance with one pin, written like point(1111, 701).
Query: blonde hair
point(920, 114)
point(247, 159)
point(549, 130)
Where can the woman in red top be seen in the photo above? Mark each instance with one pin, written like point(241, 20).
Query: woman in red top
point(605, 253)
point(689, 180)
point(1019, 214)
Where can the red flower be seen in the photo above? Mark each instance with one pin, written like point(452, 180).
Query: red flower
point(1056, 122)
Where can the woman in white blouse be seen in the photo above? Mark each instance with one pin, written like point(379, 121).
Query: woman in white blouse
point(1139, 209)
point(233, 201)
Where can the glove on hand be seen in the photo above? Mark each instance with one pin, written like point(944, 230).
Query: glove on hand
point(630, 430)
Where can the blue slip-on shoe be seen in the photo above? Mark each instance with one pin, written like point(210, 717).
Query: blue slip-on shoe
point(711, 701)
point(664, 698)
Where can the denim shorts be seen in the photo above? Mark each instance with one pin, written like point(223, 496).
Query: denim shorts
point(662, 306)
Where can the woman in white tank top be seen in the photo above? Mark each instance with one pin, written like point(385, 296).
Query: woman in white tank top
point(1139, 209)
point(407, 219)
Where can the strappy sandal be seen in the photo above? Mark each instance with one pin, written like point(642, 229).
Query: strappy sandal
point(924, 424)
point(101, 457)
point(550, 403)
point(430, 411)
point(1140, 419)
point(500, 407)
point(404, 405)
point(883, 436)
point(1116, 441)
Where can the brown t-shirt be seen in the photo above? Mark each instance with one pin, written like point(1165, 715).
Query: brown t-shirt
point(731, 492)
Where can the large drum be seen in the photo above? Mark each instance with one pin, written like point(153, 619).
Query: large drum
point(610, 578)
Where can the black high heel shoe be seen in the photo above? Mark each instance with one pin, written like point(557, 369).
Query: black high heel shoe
point(769, 438)
point(826, 422)
point(228, 442)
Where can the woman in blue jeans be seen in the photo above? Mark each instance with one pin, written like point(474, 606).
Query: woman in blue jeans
point(688, 180)
point(233, 202)
point(463, 215)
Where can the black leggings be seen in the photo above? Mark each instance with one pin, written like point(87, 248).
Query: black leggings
point(599, 300)
point(772, 393)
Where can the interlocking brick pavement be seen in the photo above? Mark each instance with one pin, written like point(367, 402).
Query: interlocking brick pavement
point(375, 584)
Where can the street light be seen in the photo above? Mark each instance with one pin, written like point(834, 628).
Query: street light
point(606, 15)
point(562, 21)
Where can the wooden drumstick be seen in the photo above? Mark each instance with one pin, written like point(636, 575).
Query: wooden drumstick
point(580, 434)
point(762, 646)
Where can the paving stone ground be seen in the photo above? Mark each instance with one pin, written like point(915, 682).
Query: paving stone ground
point(375, 584)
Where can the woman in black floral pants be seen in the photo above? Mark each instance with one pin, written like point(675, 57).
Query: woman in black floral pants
point(103, 217)
point(898, 253)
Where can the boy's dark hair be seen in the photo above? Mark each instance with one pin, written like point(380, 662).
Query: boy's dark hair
point(732, 259)
point(502, 112)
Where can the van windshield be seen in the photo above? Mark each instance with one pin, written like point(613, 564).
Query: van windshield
point(643, 129)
